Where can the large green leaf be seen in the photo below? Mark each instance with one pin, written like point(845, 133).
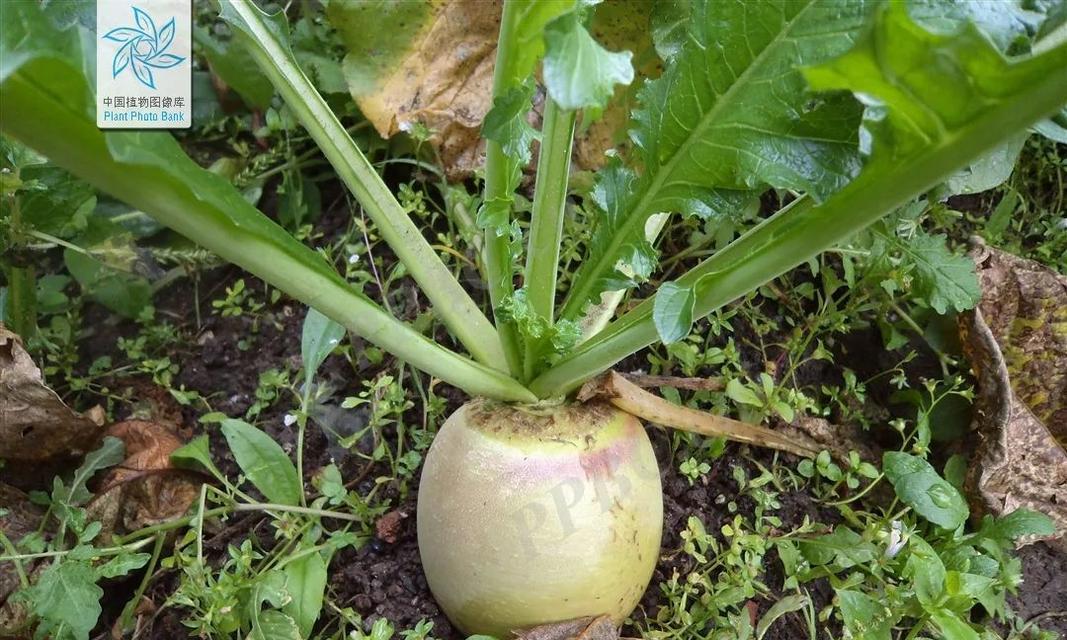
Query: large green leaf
point(45, 102)
point(935, 103)
point(67, 598)
point(731, 113)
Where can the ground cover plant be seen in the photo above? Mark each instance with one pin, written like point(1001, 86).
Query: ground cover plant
point(791, 158)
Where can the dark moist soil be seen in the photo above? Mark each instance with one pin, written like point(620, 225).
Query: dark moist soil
point(384, 578)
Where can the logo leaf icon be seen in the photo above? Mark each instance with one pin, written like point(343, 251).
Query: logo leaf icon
point(143, 48)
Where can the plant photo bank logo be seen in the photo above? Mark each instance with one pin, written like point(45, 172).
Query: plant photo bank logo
point(144, 64)
point(143, 48)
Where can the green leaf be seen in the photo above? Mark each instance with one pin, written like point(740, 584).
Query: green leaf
point(66, 595)
point(122, 564)
point(274, 625)
point(956, 470)
point(234, 65)
point(925, 569)
point(306, 580)
point(668, 24)
point(196, 453)
point(988, 172)
point(945, 280)
point(320, 336)
point(918, 486)
point(1006, 22)
point(935, 104)
point(53, 201)
point(673, 312)
point(787, 604)
point(271, 588)
point(107, 275)
point(579, 72)
point(952, 628)
point(731, 112)
point(110, 452)
point(843, 547)
point(263, 462)
point(865, 617)
point(1019, 523)
point(1054, 128)
point(741, 393)
point(506, 123)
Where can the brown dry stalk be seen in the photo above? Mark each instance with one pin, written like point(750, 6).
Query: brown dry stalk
point(692, 384)
point(623, 394)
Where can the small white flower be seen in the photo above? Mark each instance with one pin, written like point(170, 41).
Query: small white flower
point(353, 259)
point(289, 419)
point(896, 540)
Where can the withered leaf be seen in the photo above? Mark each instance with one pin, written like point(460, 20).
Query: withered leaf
point(145, 489)
point(435, 69)
point(35, 424)
point(1016, 341)
point(585, 628)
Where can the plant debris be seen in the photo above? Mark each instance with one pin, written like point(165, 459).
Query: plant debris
point(388, 526)
point(35, 424)
point(145, 488)
point(436, 71)
point(586, 628)
point(1016, 341)
point(631, 398)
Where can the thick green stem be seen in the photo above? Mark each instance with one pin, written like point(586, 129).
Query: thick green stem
point(498, 258)
point(22, 300)
point(451, 302)
point(800, 232)
point(189, 200)
point(546, 224)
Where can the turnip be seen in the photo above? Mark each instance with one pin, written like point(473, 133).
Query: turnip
point(535, 507)
point(532, 515)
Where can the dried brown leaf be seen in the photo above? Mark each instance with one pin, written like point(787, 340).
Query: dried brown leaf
point(145, 489)
point(441, 77)
point(586, 628)
point(35, 424)
point(436, 70)
point(1016, 341)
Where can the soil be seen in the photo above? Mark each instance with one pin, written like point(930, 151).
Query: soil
point(384, 577)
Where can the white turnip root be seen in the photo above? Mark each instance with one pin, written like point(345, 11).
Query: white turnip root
point(533, 516)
